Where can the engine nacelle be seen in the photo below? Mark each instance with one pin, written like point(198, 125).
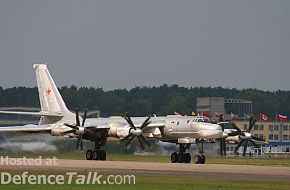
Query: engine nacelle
point(57, 131)
point(123, 132)
point(118, 130)
point(246, 135)
point(233, 138)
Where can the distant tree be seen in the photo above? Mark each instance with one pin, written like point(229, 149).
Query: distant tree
point(161, 100)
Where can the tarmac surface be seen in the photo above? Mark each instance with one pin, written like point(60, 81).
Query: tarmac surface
point(164, 169)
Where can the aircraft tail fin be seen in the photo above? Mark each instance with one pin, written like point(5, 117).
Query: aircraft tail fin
point(49, 96)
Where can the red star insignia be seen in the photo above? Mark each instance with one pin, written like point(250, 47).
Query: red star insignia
point(48, 91)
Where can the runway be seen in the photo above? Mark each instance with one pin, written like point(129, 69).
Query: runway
point(153, 168)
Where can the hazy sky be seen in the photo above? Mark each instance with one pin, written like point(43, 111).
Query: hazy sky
point(123, 44)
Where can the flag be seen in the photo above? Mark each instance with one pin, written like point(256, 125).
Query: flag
point(218, 114)
point(176, 113)
point(263, 117)
point(282, 117)
point(233, 116)
point(193, 113)
point(206, 114)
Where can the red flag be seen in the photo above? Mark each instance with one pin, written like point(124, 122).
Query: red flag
point(282, 117)
point(263, 117)
point(206, 114)
point(218, 114)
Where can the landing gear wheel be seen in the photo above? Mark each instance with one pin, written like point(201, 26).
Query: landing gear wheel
point(180, 158)
point(202, 159)
point(197, 159)
point(89, 155)
point(186, 158)
point(102, 155)
point(96, 155)
point(174, 157)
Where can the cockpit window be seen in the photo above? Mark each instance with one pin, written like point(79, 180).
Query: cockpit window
point(206, 120)
point(201, 119)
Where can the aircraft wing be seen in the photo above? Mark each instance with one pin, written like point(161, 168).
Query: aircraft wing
point(153, 124)
point(25, 129)
point(231, 132)
point(41, 113)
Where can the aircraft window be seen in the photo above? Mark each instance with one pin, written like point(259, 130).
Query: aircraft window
point(206, 120)
point(172, 121)
point(187, 121)
point(178, 123)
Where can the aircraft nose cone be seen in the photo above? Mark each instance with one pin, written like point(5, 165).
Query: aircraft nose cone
point(211, 131)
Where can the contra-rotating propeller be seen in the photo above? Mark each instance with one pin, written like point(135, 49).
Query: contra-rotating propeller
point(246, 136)
point(79, 129)
point(223, 140)
point(136, 132)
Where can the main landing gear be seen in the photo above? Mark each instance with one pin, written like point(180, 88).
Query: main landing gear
point(183, 157)
point(96, 154)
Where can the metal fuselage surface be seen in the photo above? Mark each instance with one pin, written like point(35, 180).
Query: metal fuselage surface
point(168, 128)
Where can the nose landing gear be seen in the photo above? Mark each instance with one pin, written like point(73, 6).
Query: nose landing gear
point(199, 159)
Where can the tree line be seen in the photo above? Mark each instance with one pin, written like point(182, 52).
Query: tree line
point(140, 101)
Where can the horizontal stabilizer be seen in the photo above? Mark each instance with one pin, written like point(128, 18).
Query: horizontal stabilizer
point(25, 129)
point(41, 113)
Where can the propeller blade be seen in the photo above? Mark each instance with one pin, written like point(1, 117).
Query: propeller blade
point(85, 117)
point(128, 119)
point(252, 124)
point(129, 140)
point(78, 142)
point(146, 123)
point(237, 148)
point(77, 117)
point(255, 144)
point(258, 139)
point(221, 118)
point(224, 147)
point(245, 148)
point(140, 142)
point(81, 141)
point(70, 131)
point(145, 141)
point(126, 138)
point(236, 127)
point(221, 147)
point(71, 126)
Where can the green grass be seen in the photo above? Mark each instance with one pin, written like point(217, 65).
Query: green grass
point(165, 182)
point(165, 159)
